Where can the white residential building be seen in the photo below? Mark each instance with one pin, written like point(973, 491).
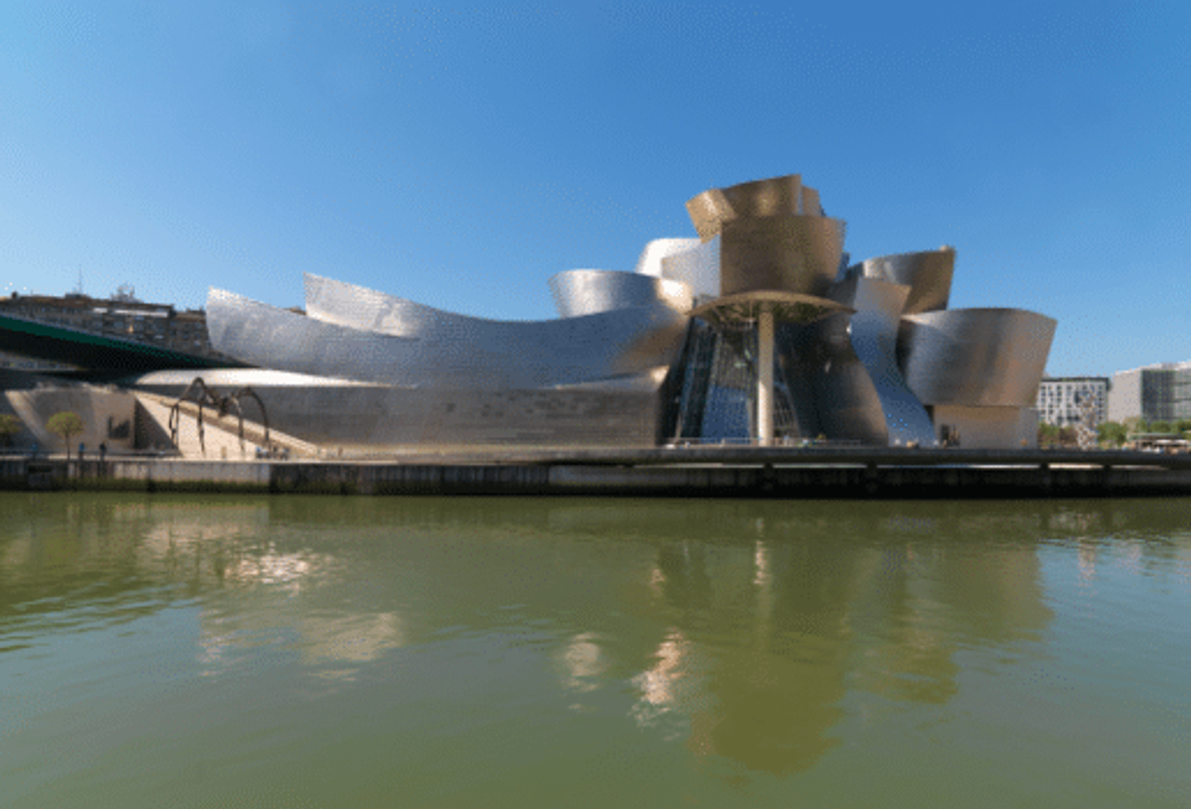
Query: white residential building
point(1062, 400)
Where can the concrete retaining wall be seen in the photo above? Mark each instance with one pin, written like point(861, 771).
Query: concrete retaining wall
point(923, 482)
point(107, 415)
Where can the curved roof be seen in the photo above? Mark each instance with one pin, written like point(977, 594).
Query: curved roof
point(374, 337)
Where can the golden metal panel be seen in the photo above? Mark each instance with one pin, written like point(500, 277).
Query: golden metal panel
point(791, 253)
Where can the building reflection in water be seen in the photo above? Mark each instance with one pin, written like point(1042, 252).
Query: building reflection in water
point(764, 641)
point(739, 629)
point(582, 662)
point(767, 645)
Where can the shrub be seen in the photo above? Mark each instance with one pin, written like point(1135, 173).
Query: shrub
point(10, 425)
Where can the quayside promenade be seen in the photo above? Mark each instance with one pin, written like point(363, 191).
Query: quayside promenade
point(777, 472)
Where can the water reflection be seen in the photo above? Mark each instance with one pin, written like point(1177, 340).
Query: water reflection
point(734, 628)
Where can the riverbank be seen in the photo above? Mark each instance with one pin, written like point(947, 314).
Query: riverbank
point(691, 472)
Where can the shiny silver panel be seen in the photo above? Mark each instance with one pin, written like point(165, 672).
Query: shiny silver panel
point(656, 251)
point(832, 392)
point(928, 274)
point(874, 331)
point(399, 342)
point(698, 266)
point(589, 292)
point(884, 348)
point(978, 357)
point(363, 418)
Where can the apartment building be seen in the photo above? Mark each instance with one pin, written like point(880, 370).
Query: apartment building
point(1064, 401)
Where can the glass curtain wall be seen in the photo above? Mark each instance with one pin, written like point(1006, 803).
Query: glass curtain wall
point(718, 403)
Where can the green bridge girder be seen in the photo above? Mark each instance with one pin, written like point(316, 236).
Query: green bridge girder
point(93, 352)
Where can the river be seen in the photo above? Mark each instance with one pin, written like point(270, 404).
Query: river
point(190, 651)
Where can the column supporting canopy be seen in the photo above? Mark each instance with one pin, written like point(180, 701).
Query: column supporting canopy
point(789, 307)
point(766, 308)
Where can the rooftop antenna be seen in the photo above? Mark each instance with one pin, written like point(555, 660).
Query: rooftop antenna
point(79, 290)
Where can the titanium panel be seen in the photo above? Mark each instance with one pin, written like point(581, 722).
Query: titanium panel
point(975, 357)
point(709, 211)
point(376, 419)
point(833, 389)
point(390, 340)
point(777, 196)
point(698, 266)
point(883, 355)
point(928, 274)
point(651, 258)
point(589, 292)
point(810, 202)
point(791, 253)
point(772, 234)
point(873, 331)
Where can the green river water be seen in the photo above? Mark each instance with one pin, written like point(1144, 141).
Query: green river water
point(170, 651)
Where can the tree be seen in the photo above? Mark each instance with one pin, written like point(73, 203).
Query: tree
point(1048, 434)
point(10, 425)
point(1136, 424)
point(1112, 433)
point(65, 425)
point(1159, 427)
point(1068, 436)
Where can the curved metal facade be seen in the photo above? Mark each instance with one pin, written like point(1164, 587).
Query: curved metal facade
point(773, 236)
point(656, 252)
point(836, 386)
point(928, 275)
point(399, 342)
point(364, 418)
point(792, 253)
point(975, 357)
point(589, 292)
point(759, 199)
point(874, 331)
point(869, 375)
point(672, 349)
point(697, 266)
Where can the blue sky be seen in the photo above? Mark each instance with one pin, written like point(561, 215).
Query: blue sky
point(461, 156)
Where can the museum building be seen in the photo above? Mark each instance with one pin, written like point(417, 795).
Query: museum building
point(758, 330)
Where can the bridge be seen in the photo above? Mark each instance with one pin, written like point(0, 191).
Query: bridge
point(93, 352)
